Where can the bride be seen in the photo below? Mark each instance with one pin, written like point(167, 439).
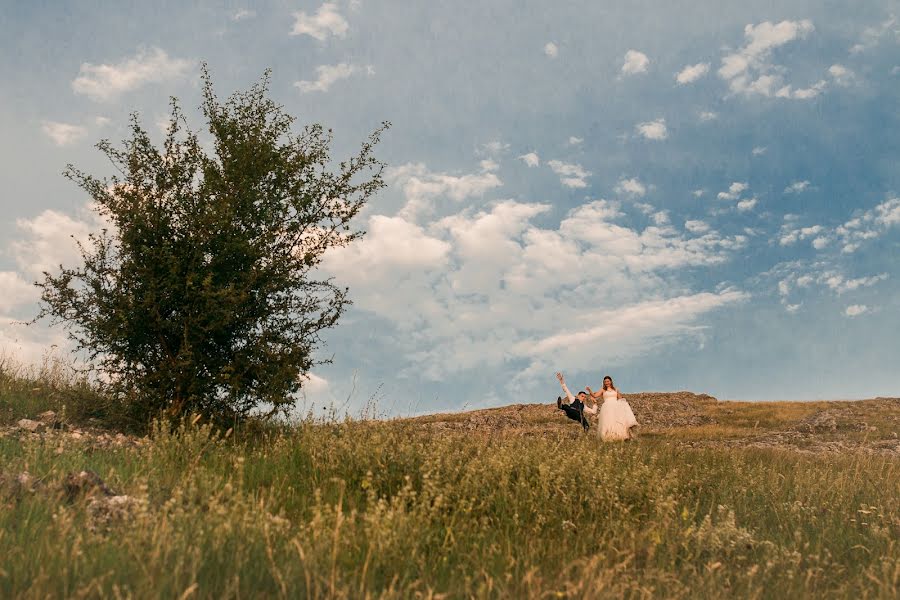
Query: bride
point(615, 420)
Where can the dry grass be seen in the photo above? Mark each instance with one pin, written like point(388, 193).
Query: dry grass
point(403, 509)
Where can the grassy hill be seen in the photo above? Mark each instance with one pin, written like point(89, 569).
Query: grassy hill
point(715, 500)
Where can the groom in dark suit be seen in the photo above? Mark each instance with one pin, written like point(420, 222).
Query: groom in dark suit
point(575, 408)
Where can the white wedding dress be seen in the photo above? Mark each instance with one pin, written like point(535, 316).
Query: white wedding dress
point(615, 417)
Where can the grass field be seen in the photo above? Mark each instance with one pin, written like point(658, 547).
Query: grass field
point(399, 509)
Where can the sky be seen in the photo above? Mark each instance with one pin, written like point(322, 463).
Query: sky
point(686, 195)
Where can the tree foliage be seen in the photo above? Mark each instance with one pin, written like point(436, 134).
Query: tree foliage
point(201, 294)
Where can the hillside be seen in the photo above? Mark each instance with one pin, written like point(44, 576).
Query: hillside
point(699, 420)
point(714, 500)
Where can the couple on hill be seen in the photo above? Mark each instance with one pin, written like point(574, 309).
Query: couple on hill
point(615, 420)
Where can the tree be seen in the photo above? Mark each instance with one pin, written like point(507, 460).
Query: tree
point(200, 295)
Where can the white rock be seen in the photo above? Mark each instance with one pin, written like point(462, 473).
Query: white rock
point(29, 425)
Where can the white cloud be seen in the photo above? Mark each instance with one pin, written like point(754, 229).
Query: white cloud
point(869, 225)
point(16, 291)
point(392, 248)
point(820, 242)
point(575, 141)
point(421, 187)
point(698, 193)
point(692, 73)
point(707, 116)
point(531, 159)
point(871, 36)
point(488, 284)
point(325, 22)
point(49, 239)
point(790, 235)
point(758, 150)
point(102, 121)
point(570, 175)
point(63, 134)
point(107, 82)
point(631, 187)
point(493, 148)
point(840, 285)
point(797, 187)
point(242, 14)
point(635, 62)
point(696, 226)
point(327, 75)
point(653, 130)
point(734, 191)
point(802, 93)
point(749, 71)
point(854, 310)
point(551, 50)
point(841, 75)
point(488, 165)
point(746, 204)
point(621, 333)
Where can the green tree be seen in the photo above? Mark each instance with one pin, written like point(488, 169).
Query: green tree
point(201, 295)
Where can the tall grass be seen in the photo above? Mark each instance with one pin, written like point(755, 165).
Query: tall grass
point(388, 509)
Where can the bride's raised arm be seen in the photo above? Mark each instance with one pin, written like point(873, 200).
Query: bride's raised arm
point(594, 395)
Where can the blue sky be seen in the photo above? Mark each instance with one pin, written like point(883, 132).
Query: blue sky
point(686, 195)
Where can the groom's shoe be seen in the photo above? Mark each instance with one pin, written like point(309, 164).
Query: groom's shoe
point(559, 402)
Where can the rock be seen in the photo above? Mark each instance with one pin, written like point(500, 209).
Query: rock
point(17, 485)
point(820, 422)
point(107, 510)
point(32, 426)
point(48, 417)
point(85, 483)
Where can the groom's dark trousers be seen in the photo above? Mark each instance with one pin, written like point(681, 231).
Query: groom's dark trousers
point(575, 411)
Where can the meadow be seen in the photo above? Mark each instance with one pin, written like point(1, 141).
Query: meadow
point(403, 509)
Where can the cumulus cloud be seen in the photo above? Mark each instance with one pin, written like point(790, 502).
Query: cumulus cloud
point(707, 115)
point(492, 148)
point(460, 305)
point(49, 239)
point(653, 130)
point(106, 82)
point(854, 310)
point(16, 291)
point(797, 187)
point(531, 159)
point(631, 187)
point(734, 191)
point(242, 14)
point(841, 75)
point(635, 62)
point(551, 50)
point(692, 73)
point(630, 330)
point(575, 141)
point(328, 75)
point(63, 134)
point(749, 70)
point(758, 150)
point(422, 187)
point(746, 204)
point(869, 225)
point(871, 36)
point(791, 235)
point(570, 175)
point(327, 21)
point(696, 226)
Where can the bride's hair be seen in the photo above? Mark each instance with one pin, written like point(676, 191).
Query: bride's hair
point(612, 386)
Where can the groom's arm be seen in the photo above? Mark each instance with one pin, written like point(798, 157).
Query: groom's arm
point(568, 393)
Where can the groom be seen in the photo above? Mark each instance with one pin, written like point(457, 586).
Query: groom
point(575, 409)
